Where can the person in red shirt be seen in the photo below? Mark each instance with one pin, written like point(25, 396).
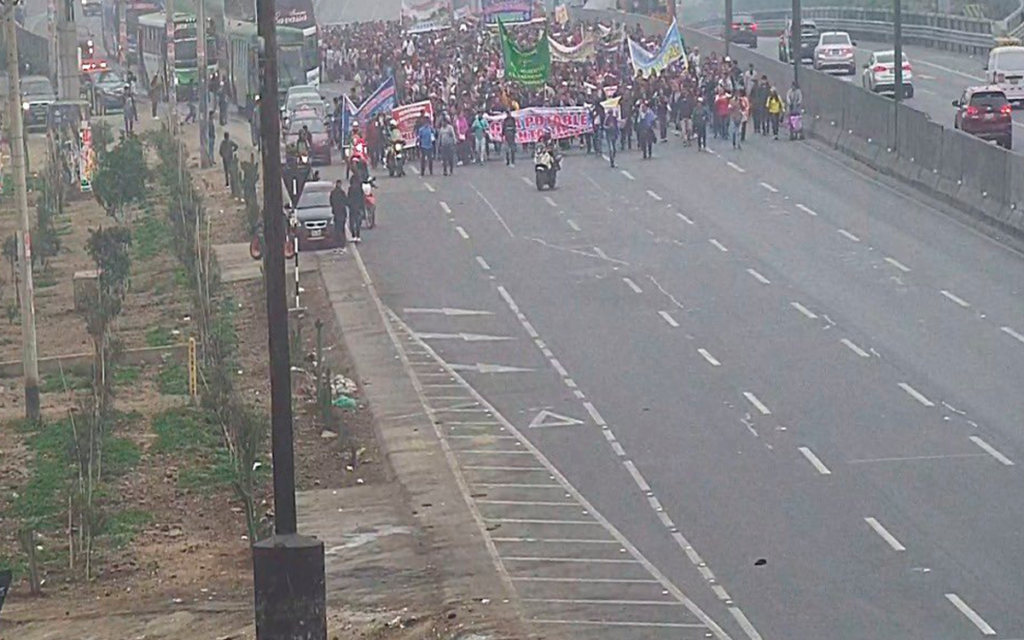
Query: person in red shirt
point(722, 114)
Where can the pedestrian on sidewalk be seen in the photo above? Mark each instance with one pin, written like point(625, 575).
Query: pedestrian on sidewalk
point(774, 106)
point(156, 94)
point(356, 206)
point(211, 135)
point(339, 209)
point(611, 132)
point(425, 137)
point(700, 124)
point(128, 109)
point(446, 138)
point(227, 156)
point(223, 104)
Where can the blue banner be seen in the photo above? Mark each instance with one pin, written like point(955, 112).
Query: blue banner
point(647, 64)
point(384, 99)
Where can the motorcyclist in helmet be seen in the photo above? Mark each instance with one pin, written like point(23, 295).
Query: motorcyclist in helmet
point(394, 133)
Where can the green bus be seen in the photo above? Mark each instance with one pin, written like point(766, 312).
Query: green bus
point(153, 48)
point(243, 67)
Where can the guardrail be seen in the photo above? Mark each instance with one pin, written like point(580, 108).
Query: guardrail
point(976, 177)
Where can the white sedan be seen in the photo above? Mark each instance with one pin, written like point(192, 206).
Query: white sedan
point(879, 75)
point(835, 51)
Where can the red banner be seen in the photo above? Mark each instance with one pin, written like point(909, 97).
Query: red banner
point(407, 115)
point(561, 122)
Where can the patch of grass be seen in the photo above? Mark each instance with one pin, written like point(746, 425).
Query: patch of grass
point(17, 565)
point(181, 279)
point(184, 429)
point(159, 336)
point(208, 476)
point(121, 527)
point(45, 282)
point(40, 502)
point(172, 380)
point(125, 375)
point(52, 382)
point(120, 455)
point(149, 237)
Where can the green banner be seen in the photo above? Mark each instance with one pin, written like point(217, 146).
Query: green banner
point(531, 66)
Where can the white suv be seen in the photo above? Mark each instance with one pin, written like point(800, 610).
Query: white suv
point(835, 51)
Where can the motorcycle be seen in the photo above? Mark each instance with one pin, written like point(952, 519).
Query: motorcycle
point(395, 159)
point(371, 202)
point(545, 167)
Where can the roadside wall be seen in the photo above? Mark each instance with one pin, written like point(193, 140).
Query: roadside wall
point(980, 178)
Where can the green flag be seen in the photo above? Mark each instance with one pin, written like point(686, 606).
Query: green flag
point(529, 66)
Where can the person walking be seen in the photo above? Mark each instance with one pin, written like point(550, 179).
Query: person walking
point(156, 94)
point(735, 119)
point(480, 138)
point(647, 134)
point(611, 133)
point(425, 142)
point(128, 109)
point(774, 107)
point(356, 206)
point(745, 110)
point(339, 209)
point(222, 103)
point(211, 135)
point(700, 124)
point(509, 130)
point(447, 141)
point(227, 156)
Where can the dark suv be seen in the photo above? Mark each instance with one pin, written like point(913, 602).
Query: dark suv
point(37, 95)
point(744, 30)
point(808, 40)
point(986, 113)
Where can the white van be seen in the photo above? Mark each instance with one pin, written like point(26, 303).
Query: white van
point(1006, 69)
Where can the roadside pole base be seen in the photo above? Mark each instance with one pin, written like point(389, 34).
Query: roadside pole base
point(290, 589)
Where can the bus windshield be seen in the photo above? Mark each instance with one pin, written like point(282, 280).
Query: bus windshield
point(291, 70)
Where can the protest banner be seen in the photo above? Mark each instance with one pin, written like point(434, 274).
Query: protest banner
point(583, 52)
point(420, 16)
point(406, 117)
point(529, 67)
point(647, 64)
point(507, 11)
point(380, 101)
point(562, 122)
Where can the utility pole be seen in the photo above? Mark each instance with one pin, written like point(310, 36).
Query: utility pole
point(288, 568)
point(67, 51)
point(29, 358)
point(203, 85)
point(897, 37)
point(796, 40)
point(728, 25)
point(169, 75)
point(122, 34)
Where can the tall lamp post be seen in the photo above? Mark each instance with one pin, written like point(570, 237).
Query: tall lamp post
point(728, 25)
point(897, 37)
point(796, 36)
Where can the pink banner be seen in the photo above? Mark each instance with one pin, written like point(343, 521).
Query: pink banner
point(562, 122)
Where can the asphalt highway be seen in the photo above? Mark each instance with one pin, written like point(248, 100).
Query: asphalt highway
point(791, 386)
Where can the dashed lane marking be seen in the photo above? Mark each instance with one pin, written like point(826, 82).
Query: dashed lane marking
point(667, 317)
point(807, 210)
point(710, 358)
point(526, 180)
point(899, 265)
point(815, 462)
point(483, 263)
point(572, 225)
point(445, 207)
point(757, 276)
point(718, 245)
point(885, 535)
point(429, 187)
point(632, 285)
point(684, 218)
point(745, 624)
point(849, 236)
point(637, 477)
point(916, 395)
point(992, 451)
point(1012, 333)
point(494, 211)
point(736, 167)
point(595, 415)
point(768, 187)
point(653, 195)
point(854, 348)
point(754, 400)
point(804, 310)
point(551, 203)
point(955, 299)
point(462, 232)
point(971, 614)
point(629, 176)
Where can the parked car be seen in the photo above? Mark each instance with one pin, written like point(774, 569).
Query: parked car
point(92, 8)
point(835, 51)
point(744, 30)
point(985, 112)
point(879, 74)
point(808, 40)
point(37, 95)
point(1005, 68)
point(314, 220)
point(320, 147)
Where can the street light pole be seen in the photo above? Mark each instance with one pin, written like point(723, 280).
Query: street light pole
point(288, 568)
point(796, 38)
point(29, 360)
point(897, 37)
point(728, 25)
point(203, 84)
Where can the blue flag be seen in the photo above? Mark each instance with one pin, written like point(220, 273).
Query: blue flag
point(382, 100)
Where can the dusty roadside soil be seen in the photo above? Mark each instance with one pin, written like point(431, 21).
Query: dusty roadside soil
point(179, 568)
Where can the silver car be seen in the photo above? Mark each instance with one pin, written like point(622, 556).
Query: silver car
point(879, 74)
point(835, 52)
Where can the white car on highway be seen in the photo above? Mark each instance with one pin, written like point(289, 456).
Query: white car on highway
point(835, 51)
point(879, 74)
point(1005, 69)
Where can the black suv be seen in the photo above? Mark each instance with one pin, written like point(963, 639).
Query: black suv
point(744, 30)
point(37, 95)
point(808, 41)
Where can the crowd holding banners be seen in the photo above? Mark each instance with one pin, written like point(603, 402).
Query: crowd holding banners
point(407, 116)
point(507, 11)
point(532, 122)
point(671, 50)
point(530, 66)
point(421, 16)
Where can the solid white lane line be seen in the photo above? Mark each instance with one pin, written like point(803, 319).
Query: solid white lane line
point(627, 174)
point(667, 317)
point(956, 299)
point(710, 358)
point(555, 540)
point(971, 615)
point(768, 187)
point(854, 348)
point(550, 201)
point(736, 167)
point(666, 603)
point(529, 503)
point(654, 195)
point(569, 382)
point(757, 276)
point(884, 533)
point(527, 180)
point(815, 462)
point(445, 207)
point(804, 310)
point(849, 236)
point(720, 591)
point(483, 263)
point(572, 225)
point(637, 478)
point(632, 285)
point(899, 265)
point(684, 218)
point(916, 395)
point(462, 232)
point(585, 580)
point(807, 210)
point(429, 187)
point(665, 520)
point(754, 400)
point(992, 451)
point(559, 368)
point(1010, 332)
point(530, 330)
point(622, 623)
point(744, 623)
point(594, 414)
point(718, 245)
point(571, 560)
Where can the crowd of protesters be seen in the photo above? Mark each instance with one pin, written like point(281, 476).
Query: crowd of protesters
point(460, 71)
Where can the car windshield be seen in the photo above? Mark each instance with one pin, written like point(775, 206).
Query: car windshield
point(109, 77)
point(835, 38)
point(36, 87)
point(990, 99)
point(314, 126)
point(1009, 60)
point(888, 57)
point(315, 199)
point(304, 100)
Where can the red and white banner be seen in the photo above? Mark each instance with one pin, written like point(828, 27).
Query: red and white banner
point(562, 122)
point(406, 117)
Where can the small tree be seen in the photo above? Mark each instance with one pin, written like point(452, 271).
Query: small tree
point(45, 241)
point(120, 180)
